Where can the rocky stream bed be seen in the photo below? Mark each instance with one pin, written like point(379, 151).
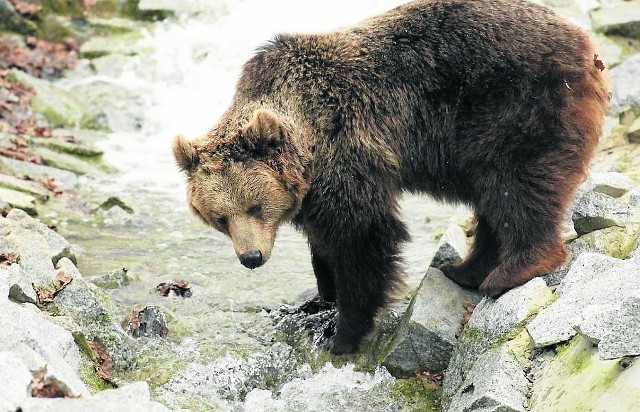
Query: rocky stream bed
point(112, 297)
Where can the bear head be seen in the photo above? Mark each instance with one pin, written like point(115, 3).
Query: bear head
point(245, 181)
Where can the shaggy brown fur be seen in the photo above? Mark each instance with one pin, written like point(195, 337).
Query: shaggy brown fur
point(494, 103)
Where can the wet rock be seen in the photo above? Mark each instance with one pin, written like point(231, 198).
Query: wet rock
point(112, 202)
point(64, 145)
point(93, 311)
point(595, 281)
point(622, 18)
point(494, 323)
point(593, 211)
point(613, 184)
point(64, 161)
point(19, 200)
point(59, 107)
point(633, 133)
point(330, 389)
point(495, 383)
point(230, 378)
point(625, 83)
point(124, 44)
point(149, 322)
point(452, 247)
point(130, 398)
point(12, 21)
point(14, 380)
point(615, 330)
point(425, 338)
point(112, 280)
point(24, 186)
point(63, 178)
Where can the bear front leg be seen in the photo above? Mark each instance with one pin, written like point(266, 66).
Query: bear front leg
point(324, 277)
point(367, 274)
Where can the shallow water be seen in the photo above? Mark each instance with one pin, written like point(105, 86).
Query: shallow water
point(185, 79)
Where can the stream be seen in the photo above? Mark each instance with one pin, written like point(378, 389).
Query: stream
point(183, 75)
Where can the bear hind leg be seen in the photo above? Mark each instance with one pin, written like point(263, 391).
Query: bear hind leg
point(528, 231)
point(481, 260)
point(324, 278)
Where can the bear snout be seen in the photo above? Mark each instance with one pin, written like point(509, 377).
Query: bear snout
point(251, 259)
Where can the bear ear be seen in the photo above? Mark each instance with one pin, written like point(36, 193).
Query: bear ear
point(185, 154)
point(264, 132)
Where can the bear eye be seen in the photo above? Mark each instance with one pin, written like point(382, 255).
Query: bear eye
point(254, 210)
point(222, 221)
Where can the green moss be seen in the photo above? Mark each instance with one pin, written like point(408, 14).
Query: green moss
point(417, 395)
point(576, 379)
point(621, 244)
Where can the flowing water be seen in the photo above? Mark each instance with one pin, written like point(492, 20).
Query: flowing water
point(183, 78)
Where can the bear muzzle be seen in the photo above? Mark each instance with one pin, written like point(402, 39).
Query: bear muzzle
point(251, 259)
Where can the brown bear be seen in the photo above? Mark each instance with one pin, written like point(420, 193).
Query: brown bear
point(497, 104)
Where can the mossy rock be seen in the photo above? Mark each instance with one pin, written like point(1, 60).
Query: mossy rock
point(576, 379)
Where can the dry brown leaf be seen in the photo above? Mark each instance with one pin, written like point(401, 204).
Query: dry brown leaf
point(48, 387)
point(431, 378)
point(8, 258)
point(46, 294)
point(102, 361)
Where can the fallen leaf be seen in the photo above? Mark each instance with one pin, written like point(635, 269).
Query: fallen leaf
point(7, 259)
point(468, 307)
point(46, 294)
point(102, 361)
point(598, 63)
point(180, 288)
point(48, 387)
point(50, 184)
point(431, 378)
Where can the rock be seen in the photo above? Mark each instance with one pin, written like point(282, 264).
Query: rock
point(494, 323)
point(496, 383)
point(577, 379)
point(625, 83)
point(633, 133)
point(124, 44)
point(331, 389)
point(593, 211)
point(25, 186)
point(60, 144)
point(19, 200)
point(634, 199)
point(595, 281)
point(11, 20)
point(622, 19)
point(616, 329)
point(425, 338)
point(452, 246)
point(93, 311)
point(130, 398)
point(63, 178)
point(230, 378)
point(38, 248)
point(60, 107)
point(14, 379)
point(38, 342)
point(609, 51)
point(614, 241)
point(64, 161)
point(112, 280)
point(149, 322)
point(613, 184)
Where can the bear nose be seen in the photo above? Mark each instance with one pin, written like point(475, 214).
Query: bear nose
point(251, 259)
